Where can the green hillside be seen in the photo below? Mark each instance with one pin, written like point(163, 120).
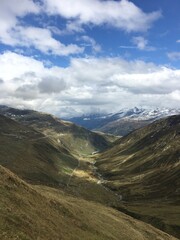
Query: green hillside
point(32, 155)
point(143, 168)
point(75, 138)
point(28, 213)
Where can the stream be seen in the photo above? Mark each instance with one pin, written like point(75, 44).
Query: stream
point(102, 181)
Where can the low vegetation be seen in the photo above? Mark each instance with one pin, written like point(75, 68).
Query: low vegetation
point(30, 213)
point(33, 156)
point(76, 139)
point(53, 187)
point(144, 168)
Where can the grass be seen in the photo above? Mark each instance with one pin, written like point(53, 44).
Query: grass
point(76, 139)
point(32, 156)
point(155, 213)
point(40, 212)
point(144, 167)
point(84, 209)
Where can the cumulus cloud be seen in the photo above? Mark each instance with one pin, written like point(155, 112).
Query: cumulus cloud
point(42, 40)
point(121, 14)
point(178, 41)
point(13, 33)
point(10, 12)
point(174, 56)
point(87, 84)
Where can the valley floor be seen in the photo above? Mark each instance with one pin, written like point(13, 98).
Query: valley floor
point(86, 182)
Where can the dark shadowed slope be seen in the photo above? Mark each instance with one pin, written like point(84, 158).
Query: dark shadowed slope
point(122, 127)
point(30, 214)
point(144, 168)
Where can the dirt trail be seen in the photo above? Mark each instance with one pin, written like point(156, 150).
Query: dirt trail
point(70, 177)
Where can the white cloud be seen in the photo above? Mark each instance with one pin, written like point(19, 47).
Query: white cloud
point(121, 14)
point(87, 84)
point(73, 27)
point(142, 43)
point(92, 43)
point(178, 41)
point(14, 34)
point(174, 55)
point(175, 95)
point(10, 11)
point(42, 40)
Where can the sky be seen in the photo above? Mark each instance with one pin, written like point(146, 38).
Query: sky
point(75, 57)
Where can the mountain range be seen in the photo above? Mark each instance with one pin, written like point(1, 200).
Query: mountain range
point(124, 121)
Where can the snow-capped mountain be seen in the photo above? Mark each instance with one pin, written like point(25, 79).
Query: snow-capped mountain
point(147, 114)
point(120, 123)
point(124, 121)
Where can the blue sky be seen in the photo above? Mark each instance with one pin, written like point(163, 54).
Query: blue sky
point(71, 57)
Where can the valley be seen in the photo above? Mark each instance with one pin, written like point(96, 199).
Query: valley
point(77, 184)
point(89, 120)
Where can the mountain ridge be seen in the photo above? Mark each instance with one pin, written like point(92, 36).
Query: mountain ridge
point(124, 121)
point(65, 133)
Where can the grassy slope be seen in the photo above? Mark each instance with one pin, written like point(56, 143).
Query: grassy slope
point(144, 167)
point(39, 159)
point(30, 213)
point(77, 139)
point(32, 155)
